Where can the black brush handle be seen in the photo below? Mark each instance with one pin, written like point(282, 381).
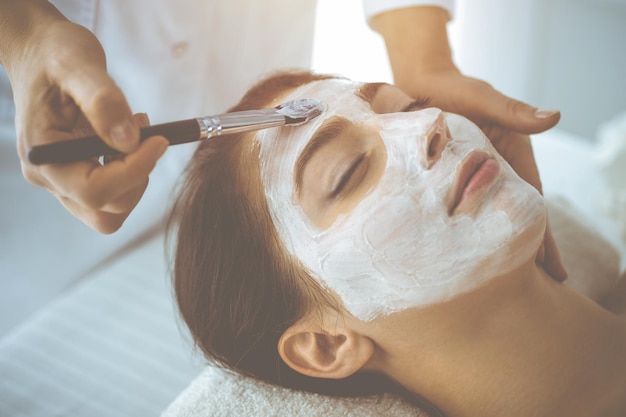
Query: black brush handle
point(88, 147)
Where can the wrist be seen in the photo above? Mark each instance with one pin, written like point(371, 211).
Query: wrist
point(416, 39)
point(20, 21)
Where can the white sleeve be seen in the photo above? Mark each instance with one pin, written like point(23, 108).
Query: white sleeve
point(374, 7)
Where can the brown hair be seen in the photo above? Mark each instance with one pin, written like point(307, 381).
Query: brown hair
point(237, 288)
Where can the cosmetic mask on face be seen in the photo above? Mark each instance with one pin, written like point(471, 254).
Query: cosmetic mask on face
point(399, 247)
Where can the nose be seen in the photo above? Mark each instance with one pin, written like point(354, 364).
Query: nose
point(434, 140)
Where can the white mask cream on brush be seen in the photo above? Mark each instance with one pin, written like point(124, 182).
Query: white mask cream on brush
point(401, 246)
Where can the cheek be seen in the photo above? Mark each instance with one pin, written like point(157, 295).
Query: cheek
point(406, 239)
point(525, 207)
point(398, 248)
point(465, 132)
point(400, 255)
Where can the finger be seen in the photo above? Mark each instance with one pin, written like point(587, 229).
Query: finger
point(83, 128)
point(103, 104)
point(33, 175)
point(541, 253)
point(515, 114)
point(127, 201)
point(552, 262)
point(517, 149)
point(94, 186)
point(112, 216)
point(100, 221)
point(123, 177)
point(141, 119)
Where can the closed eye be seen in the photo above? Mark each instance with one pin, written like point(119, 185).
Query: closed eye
point(418, 103)
point(345, 178)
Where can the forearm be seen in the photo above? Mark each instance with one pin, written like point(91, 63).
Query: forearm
point(19, 21)
point(416, 40)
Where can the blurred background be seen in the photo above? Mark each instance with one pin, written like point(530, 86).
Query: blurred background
point(555, 54)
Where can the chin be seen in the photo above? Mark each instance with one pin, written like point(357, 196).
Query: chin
point(527, 211)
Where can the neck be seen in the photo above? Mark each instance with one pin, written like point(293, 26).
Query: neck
point(522, 345)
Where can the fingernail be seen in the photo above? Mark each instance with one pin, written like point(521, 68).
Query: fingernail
point(144, 120)
point(123, 134)
point(544, 114)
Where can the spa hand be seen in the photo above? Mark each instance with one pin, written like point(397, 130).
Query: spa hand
point(422, 64)
point(517, 150)
point(475, 99)
point(61, 90)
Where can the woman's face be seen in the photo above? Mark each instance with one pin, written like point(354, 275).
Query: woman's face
point(392, 205)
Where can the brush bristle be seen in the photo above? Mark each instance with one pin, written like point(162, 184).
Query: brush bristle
point(301, 111)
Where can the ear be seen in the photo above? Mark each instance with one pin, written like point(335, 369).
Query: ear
point(310, 349)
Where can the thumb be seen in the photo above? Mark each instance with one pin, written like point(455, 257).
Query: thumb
point(517, 115)
point(104, 106)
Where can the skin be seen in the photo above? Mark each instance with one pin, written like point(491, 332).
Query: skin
point(60, 84)
point(340, 159)
point(61, 90)
point(522, 344)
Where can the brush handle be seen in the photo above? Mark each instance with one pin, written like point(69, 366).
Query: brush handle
point(92, 146)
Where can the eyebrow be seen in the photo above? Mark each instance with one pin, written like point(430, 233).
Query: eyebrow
point(332, 128)
point(368, 91)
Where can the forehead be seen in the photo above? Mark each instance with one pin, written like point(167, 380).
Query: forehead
point(340, 96)
point(353, 101)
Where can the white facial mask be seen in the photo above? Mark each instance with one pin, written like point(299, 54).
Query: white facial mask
point(399, 247)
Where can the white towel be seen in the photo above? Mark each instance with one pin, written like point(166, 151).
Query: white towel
point(218, 393)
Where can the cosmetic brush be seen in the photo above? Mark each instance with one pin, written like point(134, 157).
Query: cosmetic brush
point(291, 113)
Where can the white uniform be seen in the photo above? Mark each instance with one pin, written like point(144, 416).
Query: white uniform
point(174, 60)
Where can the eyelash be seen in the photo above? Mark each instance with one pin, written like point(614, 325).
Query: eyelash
point(418, 103)
point(345, 179)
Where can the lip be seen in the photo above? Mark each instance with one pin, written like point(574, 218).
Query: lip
point(475, 163)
